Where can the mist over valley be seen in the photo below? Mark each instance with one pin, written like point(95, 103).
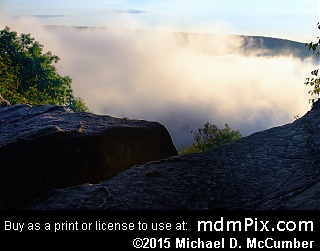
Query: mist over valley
point(181, 80)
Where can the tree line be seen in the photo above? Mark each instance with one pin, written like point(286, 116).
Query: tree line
point(29, 76)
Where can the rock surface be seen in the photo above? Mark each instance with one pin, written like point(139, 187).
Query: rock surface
point(278, 168)
point(46, 147)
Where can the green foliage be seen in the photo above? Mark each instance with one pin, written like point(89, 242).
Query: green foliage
point(210, 136)
point(314, 81)
point(29, 76)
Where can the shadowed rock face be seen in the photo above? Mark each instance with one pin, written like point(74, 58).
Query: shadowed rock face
point(277, 168)
point(46, 147)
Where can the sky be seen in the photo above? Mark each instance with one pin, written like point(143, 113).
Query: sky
point(137, 67)
point(289, 19)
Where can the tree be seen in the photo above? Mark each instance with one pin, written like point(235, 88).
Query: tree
point(29, 76)
point(210, 136)
point(314, 81)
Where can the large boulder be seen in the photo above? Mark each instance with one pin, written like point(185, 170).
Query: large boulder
point(278, 168)
point(45, 147)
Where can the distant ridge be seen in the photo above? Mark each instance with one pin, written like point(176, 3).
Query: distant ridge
point(276, 46)
point(266, 46)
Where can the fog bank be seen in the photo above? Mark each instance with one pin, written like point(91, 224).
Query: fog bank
point(179, 80)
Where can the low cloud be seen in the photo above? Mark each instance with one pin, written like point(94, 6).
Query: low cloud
point(179, 80)
point(50, 16)
point(132, 11)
